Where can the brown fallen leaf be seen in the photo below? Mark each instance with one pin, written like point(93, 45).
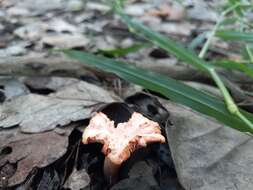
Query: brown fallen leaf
point(27, 151)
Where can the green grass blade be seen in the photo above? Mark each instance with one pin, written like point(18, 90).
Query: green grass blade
point(184, 54)
point(246, 68)
point(165, 43)
point(168, 87)
point(234, 35)
point(238, 9)
point(229, 21)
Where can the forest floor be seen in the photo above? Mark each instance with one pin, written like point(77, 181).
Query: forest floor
point(47, 98)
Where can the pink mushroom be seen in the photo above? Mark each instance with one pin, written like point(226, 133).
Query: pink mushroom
point(119, 142)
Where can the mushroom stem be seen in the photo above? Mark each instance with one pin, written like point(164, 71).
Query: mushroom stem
point(111, 171)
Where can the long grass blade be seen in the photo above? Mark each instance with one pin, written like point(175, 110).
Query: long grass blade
point(165, 43)
point(234, 35)
point(168, 87)
point(246, 68)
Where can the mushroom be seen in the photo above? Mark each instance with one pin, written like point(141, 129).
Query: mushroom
point(119, 142)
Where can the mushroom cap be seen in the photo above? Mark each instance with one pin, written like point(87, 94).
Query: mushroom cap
point(119, 142)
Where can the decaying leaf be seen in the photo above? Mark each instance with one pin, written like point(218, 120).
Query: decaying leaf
point(206, 154)
point(37, 113)
point(12, 88)
point(26, 151)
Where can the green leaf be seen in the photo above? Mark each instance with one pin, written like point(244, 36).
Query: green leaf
point(248, 49)
point(229, 21)
point(246, 68)
point(168, 87)
point(238, 9)
point(235, 35)
point(119, 52)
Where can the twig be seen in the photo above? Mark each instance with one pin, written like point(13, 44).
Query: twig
point(44, 66)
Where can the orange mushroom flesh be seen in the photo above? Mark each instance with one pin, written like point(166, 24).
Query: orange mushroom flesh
point(119, 142)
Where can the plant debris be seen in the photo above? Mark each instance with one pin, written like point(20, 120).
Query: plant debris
point(38, 113)
point(23, 152)
point(76, 160)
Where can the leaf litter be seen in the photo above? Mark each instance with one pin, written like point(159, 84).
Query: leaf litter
point(30, 27)
point(37, 113)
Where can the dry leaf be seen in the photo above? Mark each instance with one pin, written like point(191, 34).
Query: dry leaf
point(206, 154)
point(65, 40)
point(36, 113)
point(29, 151)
